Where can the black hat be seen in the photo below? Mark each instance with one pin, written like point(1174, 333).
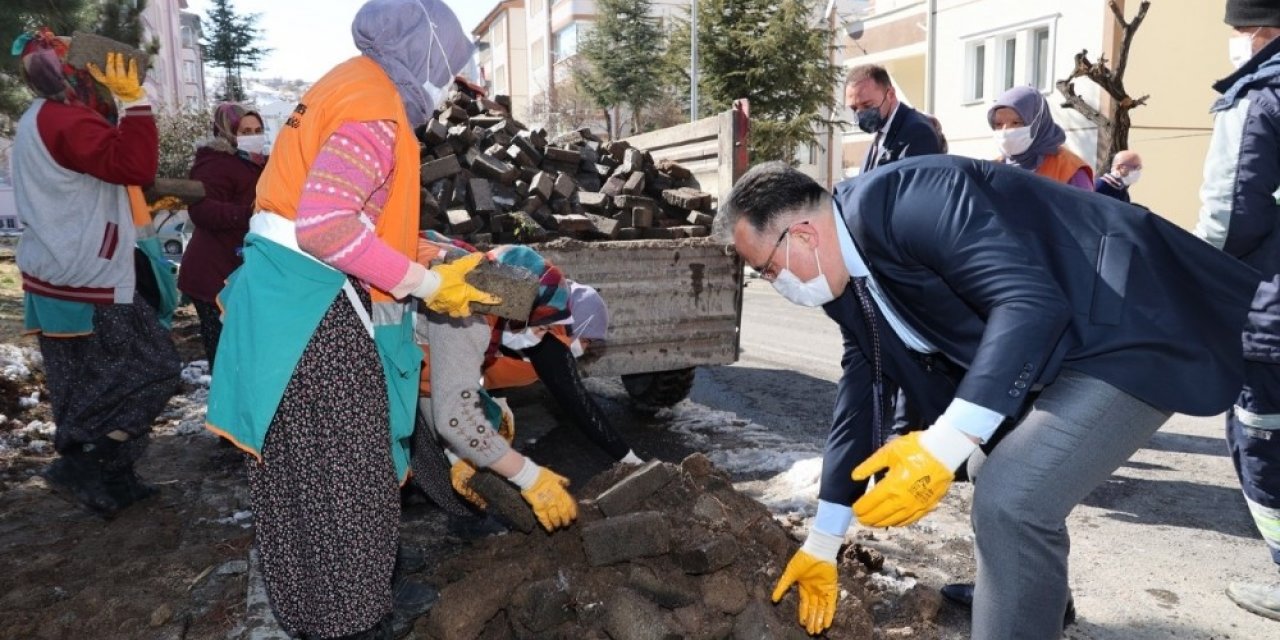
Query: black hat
point(1253, 13)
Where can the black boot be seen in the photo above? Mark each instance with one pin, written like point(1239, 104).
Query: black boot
point(119, 475)
point(77, 475)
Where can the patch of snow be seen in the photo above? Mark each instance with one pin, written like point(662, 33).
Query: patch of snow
point(891, 582)
point(18, 363)
point(196, 373)
point(39, 447)
point(38, 430)
point(29, 401)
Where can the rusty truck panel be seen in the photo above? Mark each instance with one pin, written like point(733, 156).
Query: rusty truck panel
point(672, 304)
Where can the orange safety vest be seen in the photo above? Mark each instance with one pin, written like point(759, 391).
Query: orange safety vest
point(1062, 165)
point(357, 90)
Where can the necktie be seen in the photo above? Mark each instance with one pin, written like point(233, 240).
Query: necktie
point(877, 371)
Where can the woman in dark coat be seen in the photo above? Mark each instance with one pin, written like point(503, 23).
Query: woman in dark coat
point(229, 166)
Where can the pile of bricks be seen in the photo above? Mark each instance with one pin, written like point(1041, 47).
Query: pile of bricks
point(489, 179)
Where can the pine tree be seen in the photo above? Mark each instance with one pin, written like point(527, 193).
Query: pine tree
point(18, 16)
point(231, 46)
point(622, 51)
point(121, 20)
point(774, 53)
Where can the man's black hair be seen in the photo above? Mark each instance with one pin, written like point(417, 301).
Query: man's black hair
point(765, 194)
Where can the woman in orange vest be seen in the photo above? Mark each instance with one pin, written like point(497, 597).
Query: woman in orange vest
point(1029, 138)
point(317, 369)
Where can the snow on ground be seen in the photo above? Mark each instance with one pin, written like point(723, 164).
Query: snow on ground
point(19, 363)
point(774, 469)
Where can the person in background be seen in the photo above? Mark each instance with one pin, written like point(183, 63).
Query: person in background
point(1239, 214)
point(1126, 170)
point(317, 370)
point(110, 366)
point(1029, 138)
point(900, 131)
point(228, 165)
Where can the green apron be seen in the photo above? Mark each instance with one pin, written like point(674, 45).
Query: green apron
point(272, 305)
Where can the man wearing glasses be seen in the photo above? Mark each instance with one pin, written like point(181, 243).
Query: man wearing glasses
point(1083, 323)
point(1126, 169)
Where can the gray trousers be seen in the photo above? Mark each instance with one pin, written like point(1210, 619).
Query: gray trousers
point(1076, 434)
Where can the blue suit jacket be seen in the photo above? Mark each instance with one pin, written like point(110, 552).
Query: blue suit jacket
point(1014, 277)
point(910, 134)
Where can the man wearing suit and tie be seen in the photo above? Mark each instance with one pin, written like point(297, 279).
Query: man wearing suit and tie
point(1088, 323)
point(899, 131)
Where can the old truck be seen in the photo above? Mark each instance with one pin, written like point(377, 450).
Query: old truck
point(673, 304)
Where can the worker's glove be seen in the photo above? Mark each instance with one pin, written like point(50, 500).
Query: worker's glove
point(813, 570)
point(168, 203)
point(920, 467)
point(122, 84)
point(546, 493)
point(445, 288)
point(460, 475)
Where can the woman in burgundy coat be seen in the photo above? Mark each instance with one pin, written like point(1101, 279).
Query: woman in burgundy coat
point(229, 166)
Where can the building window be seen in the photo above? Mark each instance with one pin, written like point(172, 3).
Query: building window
point(188, 38)
point(565, 43)
point(535, 6)
point(500, 80)
point(189, 71)
point(499, 32)
point(1039, 45)
point(1008, 61)
point(976, 63)
point(537, 55)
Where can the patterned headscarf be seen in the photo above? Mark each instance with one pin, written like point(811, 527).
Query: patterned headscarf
point(418, 43)
point(1046, 135)
point(227, 117)
point(42, 64)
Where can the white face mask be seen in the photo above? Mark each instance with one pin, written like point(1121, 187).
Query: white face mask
point(1240, 49)
point(810, 293)
point(252, 144)
point(1013, 142)
point(1132, 178)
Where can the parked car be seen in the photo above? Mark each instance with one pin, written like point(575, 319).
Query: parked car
point(174, 230)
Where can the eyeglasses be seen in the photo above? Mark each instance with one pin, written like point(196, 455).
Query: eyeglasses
point(767, 272)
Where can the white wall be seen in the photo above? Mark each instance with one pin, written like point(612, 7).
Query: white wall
point(1073, 25)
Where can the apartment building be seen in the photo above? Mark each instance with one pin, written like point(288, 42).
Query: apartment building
point(176, 78)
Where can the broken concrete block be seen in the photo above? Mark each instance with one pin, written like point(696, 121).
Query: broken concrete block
point(622, 538)
point(630, 493)
point(439, 169)
point(188, 191)
point(541, 605)
point(569, 156)
point(613, 186)
point(517, 287)
point(480, 197)
point(543, 185)
point(634, 185)
point(597, 202)
point(574, 224)
point(433, 133)
point(759, 622)
point(607, 227)
point(90, 47)
point(565, 186)
point(462, 222)
point(725, 593)
point(687, 198)
point(674, 170)
point(491, 168)
point(690, 231)
point(669, 590)
point(638, 218)
point(454, 114)
point(709, 557)
point(697, 218)
point(628, 616)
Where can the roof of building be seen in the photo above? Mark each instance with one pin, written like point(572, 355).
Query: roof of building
point(498, 9)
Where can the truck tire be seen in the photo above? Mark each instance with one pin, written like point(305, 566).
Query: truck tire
point(659, 389)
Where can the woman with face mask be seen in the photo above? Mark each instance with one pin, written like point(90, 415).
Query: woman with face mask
point(228, 165)
point(1027, 136)
point(317, 370)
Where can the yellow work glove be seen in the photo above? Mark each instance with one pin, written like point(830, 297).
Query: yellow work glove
point(813, 570)
point(122, 84)
point(452, 295)
point(546, 493)
point(460, 475)
point(921, 466)
point(169, 203)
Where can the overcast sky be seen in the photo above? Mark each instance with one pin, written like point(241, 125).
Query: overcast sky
point(308, 37)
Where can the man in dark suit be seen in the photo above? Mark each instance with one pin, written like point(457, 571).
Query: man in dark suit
point(1086, 321)
point(899, 131)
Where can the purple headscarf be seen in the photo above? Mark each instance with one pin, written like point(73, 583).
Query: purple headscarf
point(1046, 135)
point(417, 42)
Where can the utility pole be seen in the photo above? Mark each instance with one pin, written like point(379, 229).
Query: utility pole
point(693, 61)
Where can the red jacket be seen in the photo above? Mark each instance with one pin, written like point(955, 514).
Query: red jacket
point(221, 220)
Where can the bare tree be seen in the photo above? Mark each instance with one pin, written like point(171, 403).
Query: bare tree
point(1113, 127)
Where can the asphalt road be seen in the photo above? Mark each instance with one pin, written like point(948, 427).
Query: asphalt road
point(1152, 549)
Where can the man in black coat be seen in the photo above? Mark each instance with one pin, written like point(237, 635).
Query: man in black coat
point(1085, 320)
point(899, 131)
